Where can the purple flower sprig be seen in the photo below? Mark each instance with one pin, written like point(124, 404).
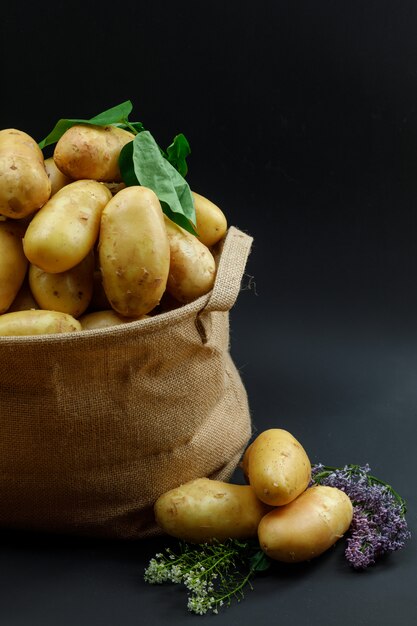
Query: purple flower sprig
point(378, 525)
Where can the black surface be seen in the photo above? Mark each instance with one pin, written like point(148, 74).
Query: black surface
point(303, 123)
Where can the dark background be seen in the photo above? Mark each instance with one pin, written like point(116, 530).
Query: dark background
point(303, 126)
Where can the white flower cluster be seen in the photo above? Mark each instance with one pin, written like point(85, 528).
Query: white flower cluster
point(208, 572)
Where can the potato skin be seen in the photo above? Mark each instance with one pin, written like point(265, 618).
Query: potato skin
point(192, 268)
point(37, 322)
point(244, 464)
point(104, 319)
point(91, 152)
point(24, 301)
point(57, 178)
point(307, 526)
point(69, 292)
point(13, 263)
point(205, 510)
point(64, 231)
point(24, 183)
point(278, 467)
point(133, 251)
point(211, 221)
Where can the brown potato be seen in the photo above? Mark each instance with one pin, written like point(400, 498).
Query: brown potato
point(133, 251)
point(24, 300)
point(104, 319)
point(57, 178)
point(64, 231)
point(307, 526)
point(69, 292)
point(278, 467)
point(192, 268)
point(211, 221)
point(13, 263)
point(39, 322)
point(244, 464)
point(24, 183)
point(205, 510)
point(91, 152)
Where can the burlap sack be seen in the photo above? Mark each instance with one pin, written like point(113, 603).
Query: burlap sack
point(94, 426)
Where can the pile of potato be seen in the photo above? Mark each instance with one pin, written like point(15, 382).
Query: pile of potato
point(293, 521)
point(79, 250)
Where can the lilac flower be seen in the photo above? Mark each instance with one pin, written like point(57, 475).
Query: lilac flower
point(378, 525)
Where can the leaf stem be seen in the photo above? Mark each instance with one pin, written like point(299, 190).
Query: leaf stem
point(129, 125)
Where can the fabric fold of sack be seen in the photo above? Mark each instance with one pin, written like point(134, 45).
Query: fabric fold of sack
point(96, 425)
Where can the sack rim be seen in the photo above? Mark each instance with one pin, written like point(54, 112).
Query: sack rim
point(147, 325)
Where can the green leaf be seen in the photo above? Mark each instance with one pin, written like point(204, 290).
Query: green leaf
point(126, 165)
point(115, 115)
point(259, 562)
point(179, 219)
point(177, 153)
point(152, 170)
point(134, 127)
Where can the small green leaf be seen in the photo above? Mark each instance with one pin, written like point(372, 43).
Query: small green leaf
point(259, 562)
point(126, 165)
point(177, 153)
point(115, 115)
point(152, 170)
point(179, 219)
point(134, 127)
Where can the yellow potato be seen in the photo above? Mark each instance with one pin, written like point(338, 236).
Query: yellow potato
point(115, 187)
point(192, 269)
point(24, 300)
point(133, 251)
point(104, 319)
point(37, 323)
point(278, 468)
point(69, 292)
point(57, 178)
point(211, 222)
point(204, 510)
point(307, 526)
point(91, 152)
point(245, 463)
point(13, 263)
point(64, 231)
point(24, 183)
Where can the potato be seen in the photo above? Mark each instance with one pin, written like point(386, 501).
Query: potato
point(192, 269)
point(24, 300)
point(211, 222)
point(13, 263)
point(69, 292)
point(64, 231)
point(278, 468)
point(133, 251)
point(245, 463)
point(57, 178)
point(37, 323)
point(204, 510)
point(104, 319)
point(24, 183)
point(91, 152)
point(307, 526)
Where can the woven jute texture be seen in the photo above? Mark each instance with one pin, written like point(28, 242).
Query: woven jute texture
point(95, 425)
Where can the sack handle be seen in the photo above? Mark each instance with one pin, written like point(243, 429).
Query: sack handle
point(233, 257)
